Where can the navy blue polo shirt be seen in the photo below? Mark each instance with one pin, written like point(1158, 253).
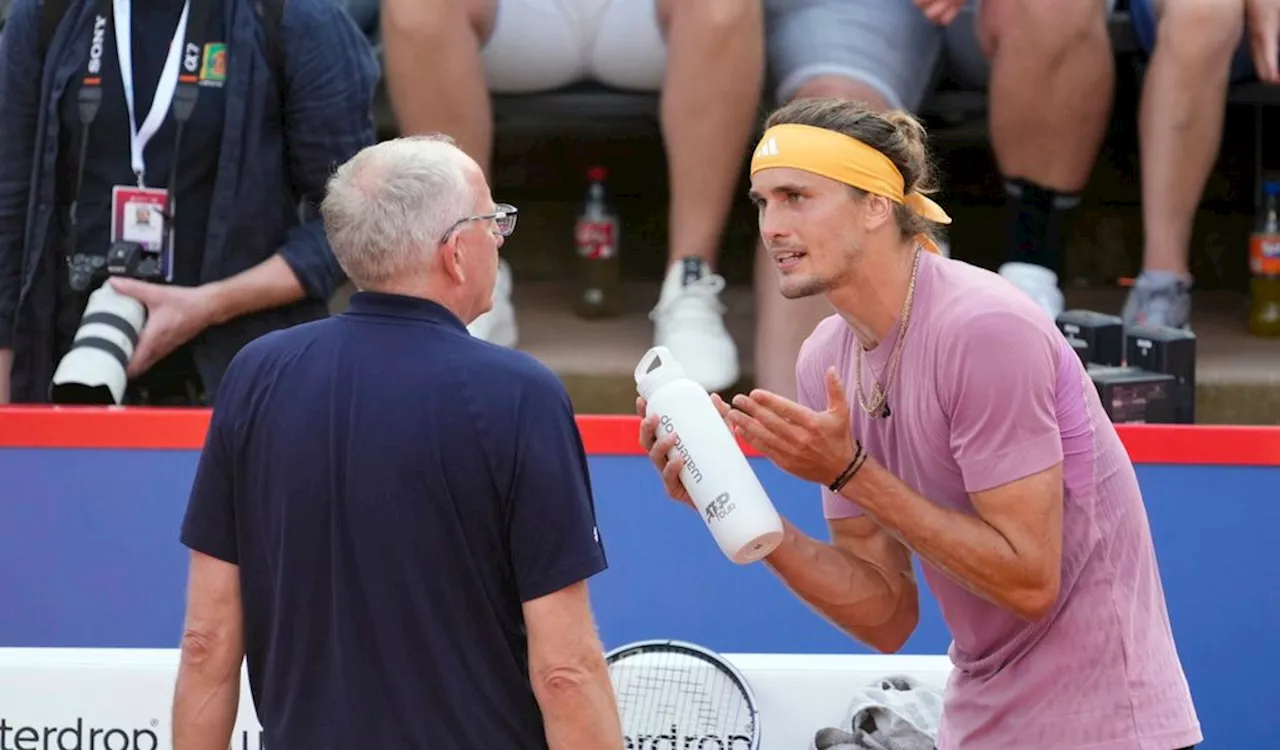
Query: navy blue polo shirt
point(392, 490)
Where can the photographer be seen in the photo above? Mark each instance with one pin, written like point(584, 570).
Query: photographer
point(103, 148)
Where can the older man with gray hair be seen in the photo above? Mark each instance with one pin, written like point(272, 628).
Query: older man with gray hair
point(391, 519)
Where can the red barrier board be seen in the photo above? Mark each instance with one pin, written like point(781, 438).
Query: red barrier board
point(603, 435)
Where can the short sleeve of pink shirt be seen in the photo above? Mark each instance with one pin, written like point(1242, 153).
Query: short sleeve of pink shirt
point(999, 371)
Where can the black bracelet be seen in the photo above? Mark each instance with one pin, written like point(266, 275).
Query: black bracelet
point(859, 457)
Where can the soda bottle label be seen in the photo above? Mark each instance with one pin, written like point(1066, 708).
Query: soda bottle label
point(596, 240)
point(1264, 254)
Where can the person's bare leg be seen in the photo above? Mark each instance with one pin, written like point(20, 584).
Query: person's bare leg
point(1052, 77)
point(1183, 104)
point(783, 324)
point(434, 71)
point(710, 104)
point(1052, 82)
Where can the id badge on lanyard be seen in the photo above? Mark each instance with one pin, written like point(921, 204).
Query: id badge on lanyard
point(142, 214)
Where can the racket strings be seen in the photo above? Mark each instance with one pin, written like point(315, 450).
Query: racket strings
point(668, 696)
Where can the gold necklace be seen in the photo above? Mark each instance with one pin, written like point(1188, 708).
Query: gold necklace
point(880, 394)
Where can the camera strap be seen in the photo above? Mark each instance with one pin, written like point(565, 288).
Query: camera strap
point(178, 88)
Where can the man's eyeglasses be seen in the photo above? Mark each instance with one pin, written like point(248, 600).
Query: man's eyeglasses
point(503, 218)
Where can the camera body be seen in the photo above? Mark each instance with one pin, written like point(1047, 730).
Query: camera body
point(123, 258)
point(94, 370)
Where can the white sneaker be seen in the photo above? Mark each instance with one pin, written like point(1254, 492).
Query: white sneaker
point(689, 321)
point(498, 326)
point(1038, 283)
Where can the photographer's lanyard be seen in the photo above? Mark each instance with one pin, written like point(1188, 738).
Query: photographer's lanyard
point(178, 86)
point(140, 136)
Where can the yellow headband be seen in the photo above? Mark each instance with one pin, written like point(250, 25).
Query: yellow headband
point(838, 157)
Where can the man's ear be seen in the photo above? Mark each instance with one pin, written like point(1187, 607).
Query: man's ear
point(451, 255)
point(877, 211)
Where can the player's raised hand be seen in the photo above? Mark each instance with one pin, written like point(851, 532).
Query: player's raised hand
point(812, 445)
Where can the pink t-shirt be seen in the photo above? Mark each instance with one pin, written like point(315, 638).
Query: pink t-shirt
point(988, 391)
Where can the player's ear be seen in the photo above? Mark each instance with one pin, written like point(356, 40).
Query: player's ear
point(877, 211)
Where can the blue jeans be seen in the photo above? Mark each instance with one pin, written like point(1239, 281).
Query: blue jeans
point(1144, 25)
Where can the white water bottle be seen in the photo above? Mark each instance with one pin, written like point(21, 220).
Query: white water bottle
point(716, 474)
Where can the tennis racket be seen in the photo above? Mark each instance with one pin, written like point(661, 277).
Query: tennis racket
point(679, 696)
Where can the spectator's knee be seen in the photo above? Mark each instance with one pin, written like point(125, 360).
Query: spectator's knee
point(416, 18)
point(1205, 32)
point(1050, 28)
point(715, 18)
point(425, 20)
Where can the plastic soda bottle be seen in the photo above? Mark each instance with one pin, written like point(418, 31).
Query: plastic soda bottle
point(1264, 264)
point(596, 236)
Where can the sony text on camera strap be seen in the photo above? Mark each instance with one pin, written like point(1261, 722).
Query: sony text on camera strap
point(178, 87)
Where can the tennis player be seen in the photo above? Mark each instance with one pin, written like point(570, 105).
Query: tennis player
point(971, 438)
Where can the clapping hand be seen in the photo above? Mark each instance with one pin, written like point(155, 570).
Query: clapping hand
point(812, 445)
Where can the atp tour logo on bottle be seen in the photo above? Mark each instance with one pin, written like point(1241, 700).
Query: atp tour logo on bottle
point(720, 508)
point(689, 464)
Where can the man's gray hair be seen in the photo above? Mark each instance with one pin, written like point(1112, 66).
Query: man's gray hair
point(386, 209)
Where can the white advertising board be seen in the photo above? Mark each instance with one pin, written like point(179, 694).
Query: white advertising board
point(119, 699)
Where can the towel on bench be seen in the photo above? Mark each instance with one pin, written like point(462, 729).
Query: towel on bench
point(893, 713)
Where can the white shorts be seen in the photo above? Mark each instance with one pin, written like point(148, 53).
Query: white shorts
point(540, 45)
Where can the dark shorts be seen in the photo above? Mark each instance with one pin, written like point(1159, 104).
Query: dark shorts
point(1143, 14)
